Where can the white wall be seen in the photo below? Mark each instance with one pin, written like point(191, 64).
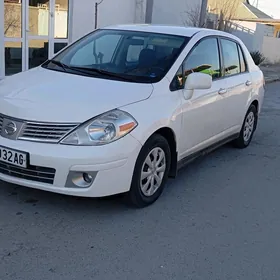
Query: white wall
point(250, 33)
point(109, 12)
point(82, 20)
point(116, 12)
point(173, 12)
point(2, 57)
point(270, 49)
point(126, 11)
point(253, 36)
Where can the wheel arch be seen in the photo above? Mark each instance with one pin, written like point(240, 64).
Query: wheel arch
point(170, 136)
point(255, 103)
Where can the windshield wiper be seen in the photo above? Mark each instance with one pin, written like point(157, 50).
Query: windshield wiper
point(102, 72)
point(58, 63)
point(89, 71)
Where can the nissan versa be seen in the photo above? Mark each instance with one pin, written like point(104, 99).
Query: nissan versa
point(120, 110)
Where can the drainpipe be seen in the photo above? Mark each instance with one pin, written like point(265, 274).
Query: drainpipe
point(96, 13)
point(149, 11)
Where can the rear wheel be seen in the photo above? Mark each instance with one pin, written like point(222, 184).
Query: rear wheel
point(248, 128)
point(151, 172)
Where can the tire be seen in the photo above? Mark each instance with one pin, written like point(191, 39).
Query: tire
point(248, 128)
point(140, 194)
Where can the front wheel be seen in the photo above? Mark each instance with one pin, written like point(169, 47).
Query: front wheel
point(150, 173)
point(248, 128)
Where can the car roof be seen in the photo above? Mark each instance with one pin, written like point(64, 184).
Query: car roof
point(164, 29)
point(172, 30)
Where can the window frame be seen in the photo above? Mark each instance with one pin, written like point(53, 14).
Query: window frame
point(221, 57)
point(245, 59)
point(191, 51)
point(243, 53)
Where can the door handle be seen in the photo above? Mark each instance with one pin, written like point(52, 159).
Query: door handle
point(222, 91)
point(248, 83)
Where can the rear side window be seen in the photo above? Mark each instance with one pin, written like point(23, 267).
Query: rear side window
point(133, 53)
point(242, 60)
point(231, 57)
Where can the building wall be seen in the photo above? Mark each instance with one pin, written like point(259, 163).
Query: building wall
point(2, 57)
point(123, 12)
point(277, 31)
point(250, 33)
point(166, 12)
point(109, 12)
point(128, 11)
point(82, 18)
point(246, 32)
point(233, 9)
point(270, 49)
point(254, 37)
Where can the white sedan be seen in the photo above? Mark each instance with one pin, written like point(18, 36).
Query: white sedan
point(120, 110)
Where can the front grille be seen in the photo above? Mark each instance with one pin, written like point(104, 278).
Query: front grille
point(45, 132)
point(1, 123)
point(36, 131)
point(31, 173)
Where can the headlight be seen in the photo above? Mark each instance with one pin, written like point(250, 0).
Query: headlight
point(102, 130)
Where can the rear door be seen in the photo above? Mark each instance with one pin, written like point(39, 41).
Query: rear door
point(238, 84)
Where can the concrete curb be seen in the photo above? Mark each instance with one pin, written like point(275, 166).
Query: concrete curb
point(272, 80)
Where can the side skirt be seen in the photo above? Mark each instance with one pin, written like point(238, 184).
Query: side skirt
point(185, 161)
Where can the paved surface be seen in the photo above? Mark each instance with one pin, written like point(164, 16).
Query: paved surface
point(271, 72)
point(219, 220)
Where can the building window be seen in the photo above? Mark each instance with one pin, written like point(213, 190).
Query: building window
point(61, 19)
point(38, 20)
point(13, 58)
point(12, 19)
point(38, 52)
point(59, 46)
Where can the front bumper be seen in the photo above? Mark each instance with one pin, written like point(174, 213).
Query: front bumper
point(113, 164)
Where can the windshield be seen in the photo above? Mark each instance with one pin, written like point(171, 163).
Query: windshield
point(122, 55)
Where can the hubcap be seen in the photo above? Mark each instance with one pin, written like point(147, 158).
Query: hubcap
point(249, 126)
point(152, 172)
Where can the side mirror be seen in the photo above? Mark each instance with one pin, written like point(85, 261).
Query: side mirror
point(196, 81)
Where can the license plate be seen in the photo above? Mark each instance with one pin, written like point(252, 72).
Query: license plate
point(13, 157)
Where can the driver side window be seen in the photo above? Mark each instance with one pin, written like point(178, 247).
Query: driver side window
point(204, 58)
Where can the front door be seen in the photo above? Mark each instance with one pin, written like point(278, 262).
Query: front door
point(34, 30)
point(203, 114)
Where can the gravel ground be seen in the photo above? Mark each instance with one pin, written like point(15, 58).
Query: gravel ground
point(218, 220)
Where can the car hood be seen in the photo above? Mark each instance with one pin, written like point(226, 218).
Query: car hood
point(52, 96)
